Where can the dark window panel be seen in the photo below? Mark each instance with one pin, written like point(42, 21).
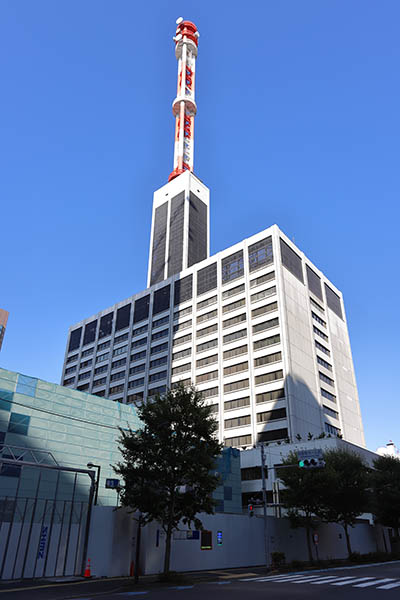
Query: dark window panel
point(123, 317)
point(175, 252)
point(161, 300)
point(105, 325)
point(197, 230)
point(207, 279)
point(90, 332)
point(269, 436)
point(75, 339)
point(232, 267)
point(314, 282)
point(333, 301)
point(183, 290)
point(261, 254)
point(141, 309)
point(291, 261)
point(159, 240)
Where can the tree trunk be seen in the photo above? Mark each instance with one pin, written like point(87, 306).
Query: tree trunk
point(346, 531)
point(167, 556)
point(310, 556)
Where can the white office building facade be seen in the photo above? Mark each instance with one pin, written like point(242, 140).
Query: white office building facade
point(257, 328)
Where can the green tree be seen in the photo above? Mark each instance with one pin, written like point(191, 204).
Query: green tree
point(345, 494)
point(168, 466)
point(301, 495)
point(386, 491)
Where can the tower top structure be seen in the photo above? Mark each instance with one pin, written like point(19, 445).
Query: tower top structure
point(184, 106)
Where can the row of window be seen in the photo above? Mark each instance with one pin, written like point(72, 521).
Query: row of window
point(263, 436)
point(262, 417)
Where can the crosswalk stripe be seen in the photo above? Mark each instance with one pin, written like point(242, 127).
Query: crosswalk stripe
point(374, 582)
point(352, 581)
point(309, 579)
point(389, 586)
point(330, 580)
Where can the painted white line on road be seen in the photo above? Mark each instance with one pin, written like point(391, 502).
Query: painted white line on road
point(389, 586)
point(353, 581)
point(330, 579)
point(308, 579)
point(374, 582)
point(223, 582)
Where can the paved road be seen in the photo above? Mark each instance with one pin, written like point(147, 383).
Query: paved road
point(358, 583)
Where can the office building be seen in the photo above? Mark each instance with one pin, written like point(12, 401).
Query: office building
point(3, 324)
point(257, 327)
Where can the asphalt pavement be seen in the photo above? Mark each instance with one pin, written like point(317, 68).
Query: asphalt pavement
point(366, 582)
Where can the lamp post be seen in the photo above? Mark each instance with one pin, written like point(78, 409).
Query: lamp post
point(90, 465)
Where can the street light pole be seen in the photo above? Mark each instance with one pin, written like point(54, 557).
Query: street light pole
point(264, 496)
point(90, 465)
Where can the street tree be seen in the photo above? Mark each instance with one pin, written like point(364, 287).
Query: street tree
point(301, 495)
point(386, 491)
point(345, 494)
point(168, 466)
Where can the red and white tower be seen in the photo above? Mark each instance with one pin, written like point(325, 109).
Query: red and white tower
point(184, 106)
point(180, 230)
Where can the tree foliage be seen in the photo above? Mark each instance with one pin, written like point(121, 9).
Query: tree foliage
point(386, 491)
point(168, 466)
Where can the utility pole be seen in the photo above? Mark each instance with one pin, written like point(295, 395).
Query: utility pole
point(264, 496)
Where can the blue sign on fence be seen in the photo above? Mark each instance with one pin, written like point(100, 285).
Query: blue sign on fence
point(112, 484)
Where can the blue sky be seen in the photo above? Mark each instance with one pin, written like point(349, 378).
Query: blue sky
point(298, 124)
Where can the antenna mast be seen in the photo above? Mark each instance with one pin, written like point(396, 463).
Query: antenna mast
point(184, 106)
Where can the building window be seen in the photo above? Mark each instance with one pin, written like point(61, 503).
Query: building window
point(155, 391)
point(207, 316)
point(262, 279)
point(160, 322)
point(137, 369)
point(117, 363)
point(87, 352)
point(159, 334)
point(158, 376)
point(333, 301)
point(262, 310)
point(82, 376)
point(158, 362)
point(273, 435)
point(207, 330)
point(70, 370)
point(72, 358)
point(138, 397)
point(268, 396)
point(207, 345)
point(234, 305)
point(234, 321)
point(161, 300)
point(182, 340)
point(326, 379)
point(291, 261)
point(328, 395)
point(260, 254)
point(207, 376)
point(139, 355)
point(271, 415)
point(116, 389)
point(320, 333)
point(314, 282)
point(181, 369)
point(100, 393)
point(135, 383)
point(252, 473)
point(83, 388)
point(269, 341)
point(240, 440)
point(184, 382)
point(121, 338)
point(233, 291)
point(322, 348)
point(182, 354)
point(318, 318)
point(102, 346)
point(75, 339)
point(138, 343)
point(123, 317)
point(69, 381)
point(266, 325)
point(159, 348)
point(268, 377)
point(238, 368)
point(9, 470)
point(207, 302)
point(331, 412)
point(235, 352)
point(230, 337)
point(237, 422)
point(268, 359)
point(140, 330)
point(209, 360)
point(182, 313)
point(121, 350)
point(316, 305)
point(18, 423)
point(183, 290)
point(182, 326)
point(331, 429)
point(323, 362)
point(207, 279)
point(105, 325)
point(141, 309)
point(263, 294)
point(90, 332)
point(238, 403)
point(232, 267)
point(236, 386)
point(210, 392)
point(99, 381)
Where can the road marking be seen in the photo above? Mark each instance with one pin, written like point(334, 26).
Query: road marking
point(388, 586)
point(330, 579)
point(308, 579)
point(181, 587)
point(374, 582)
point(353, 581)
point(223, 582)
